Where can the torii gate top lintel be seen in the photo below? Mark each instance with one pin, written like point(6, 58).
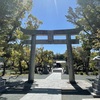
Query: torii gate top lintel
point(54, 32)
point(50, 34)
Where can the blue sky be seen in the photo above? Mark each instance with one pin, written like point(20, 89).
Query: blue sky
point(52, 14)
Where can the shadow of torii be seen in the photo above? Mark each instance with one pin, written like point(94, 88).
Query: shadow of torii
point(25, 87)
point(76, 91)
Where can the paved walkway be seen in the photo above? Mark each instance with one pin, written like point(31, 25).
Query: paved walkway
point(48, 89)
point(51, 88)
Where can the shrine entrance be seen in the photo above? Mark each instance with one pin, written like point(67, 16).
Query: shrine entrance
point(50, 40)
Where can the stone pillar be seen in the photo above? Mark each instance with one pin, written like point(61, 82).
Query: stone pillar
point(96, 84)
point(70, 59)
point(32, 60)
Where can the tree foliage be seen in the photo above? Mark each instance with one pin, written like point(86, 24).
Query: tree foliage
point(59, 56)
point(44, 57)
point(12, 11)
point(87, 16)
point(12, 50)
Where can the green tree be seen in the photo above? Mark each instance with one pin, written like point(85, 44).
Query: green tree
point(32, 22)
point(44, 57)
point(87, 16)
point(12, 13)
point(59, 56)
point(96, 41)
point(19, 57)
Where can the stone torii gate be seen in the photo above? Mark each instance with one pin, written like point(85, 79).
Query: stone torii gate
point(50, 40)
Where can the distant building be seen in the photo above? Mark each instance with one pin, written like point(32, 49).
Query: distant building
point(59, 63)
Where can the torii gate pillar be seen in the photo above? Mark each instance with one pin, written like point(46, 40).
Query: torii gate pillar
point(70, 60)
point(32, 60)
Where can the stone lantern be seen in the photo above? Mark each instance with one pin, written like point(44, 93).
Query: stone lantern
point(97, 60)
point(96, 83)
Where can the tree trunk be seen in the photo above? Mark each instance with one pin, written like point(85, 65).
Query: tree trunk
point(20, 67)
point(4, 69)
point(27, 62)
point(87, 62)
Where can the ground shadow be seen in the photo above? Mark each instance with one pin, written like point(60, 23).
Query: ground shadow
point(25, 87)
point(90, 79)
point(76, 91)
point(3, 98)
point(46, 91)
point(19, 87)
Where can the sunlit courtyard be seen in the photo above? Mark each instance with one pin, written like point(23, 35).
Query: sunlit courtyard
point(49, 49)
